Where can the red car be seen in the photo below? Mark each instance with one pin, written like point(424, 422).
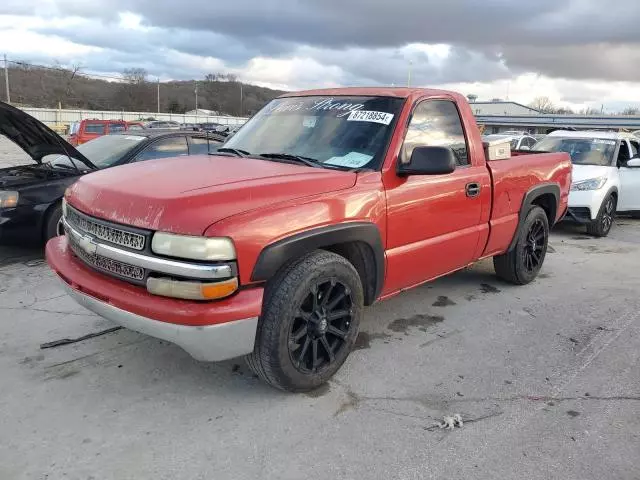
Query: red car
point(90, 129)
point(324, 202)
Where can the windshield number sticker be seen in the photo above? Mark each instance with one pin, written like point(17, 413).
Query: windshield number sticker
point(603, 141)
point(370, 116)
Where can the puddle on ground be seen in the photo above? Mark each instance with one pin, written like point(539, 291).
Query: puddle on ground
point(363, 341)
point(443, 301)
point(421, 321)
point(486, 288)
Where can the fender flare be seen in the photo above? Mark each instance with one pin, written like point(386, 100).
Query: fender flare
point(274, 256)
point(528, 200)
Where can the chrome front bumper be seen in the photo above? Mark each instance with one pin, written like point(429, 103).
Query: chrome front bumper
point(208, 343)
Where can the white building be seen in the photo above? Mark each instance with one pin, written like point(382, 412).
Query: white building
point(499, 107)
point(203, 112)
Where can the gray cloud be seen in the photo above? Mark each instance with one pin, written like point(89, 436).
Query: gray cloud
point(576, 39)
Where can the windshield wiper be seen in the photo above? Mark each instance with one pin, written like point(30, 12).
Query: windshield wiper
point(65, 167)
point(236, 151)
point(310, 162)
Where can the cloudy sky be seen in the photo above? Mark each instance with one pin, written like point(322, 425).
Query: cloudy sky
point(580, 53)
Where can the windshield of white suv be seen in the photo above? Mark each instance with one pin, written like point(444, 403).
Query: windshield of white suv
point(332, 132)
point(583, 151)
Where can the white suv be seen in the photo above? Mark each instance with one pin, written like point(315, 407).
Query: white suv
point(606, 175)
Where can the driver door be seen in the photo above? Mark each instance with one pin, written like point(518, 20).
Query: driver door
point(629, 195)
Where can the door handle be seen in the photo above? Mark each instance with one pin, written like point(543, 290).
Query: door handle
point(472, 190)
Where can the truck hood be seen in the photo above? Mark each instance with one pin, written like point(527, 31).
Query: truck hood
point(585, 172)
point(186, 195)
point(34, 137)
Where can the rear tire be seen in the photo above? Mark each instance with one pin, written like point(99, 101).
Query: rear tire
point(523, 263)
point(53, 223)
point(601, 226)
point(309, 323)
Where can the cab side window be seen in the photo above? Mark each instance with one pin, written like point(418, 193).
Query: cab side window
point(436, 123)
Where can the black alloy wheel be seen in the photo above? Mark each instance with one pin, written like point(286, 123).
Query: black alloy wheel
point(607, 214)
point(533, 251)
point(321, 326)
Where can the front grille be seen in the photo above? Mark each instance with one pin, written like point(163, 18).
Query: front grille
point(105, 232)
point(106, 264)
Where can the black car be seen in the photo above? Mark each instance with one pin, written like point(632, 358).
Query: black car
point(30, 195)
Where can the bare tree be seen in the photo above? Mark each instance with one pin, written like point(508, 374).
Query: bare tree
point(630, 111)
point(543, 104)
point(135, 92)
point(134, 76)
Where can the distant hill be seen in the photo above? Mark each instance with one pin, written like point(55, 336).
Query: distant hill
point(47, 87)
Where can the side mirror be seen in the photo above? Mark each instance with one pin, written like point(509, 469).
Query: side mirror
point(634, 162)
point(429, 161)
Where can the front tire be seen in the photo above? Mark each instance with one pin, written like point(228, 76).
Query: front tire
point(53, 223)
point(309, 323)
point(601, 226)
point(523, 263)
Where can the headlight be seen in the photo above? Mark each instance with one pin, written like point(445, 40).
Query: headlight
point(194, 290)
point(8, 199)
point(195, 248)
point(590, 184)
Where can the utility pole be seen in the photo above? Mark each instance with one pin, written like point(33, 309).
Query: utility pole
point(6, 77)
point(158, 94)
point(196, 96)
point(409, 76)
point(240, 98)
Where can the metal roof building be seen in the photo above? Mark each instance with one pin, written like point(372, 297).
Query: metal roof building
point(544, 123)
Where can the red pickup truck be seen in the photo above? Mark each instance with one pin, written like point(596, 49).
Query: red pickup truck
point(324, 202)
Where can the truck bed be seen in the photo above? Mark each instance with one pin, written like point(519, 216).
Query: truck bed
point(512, 179)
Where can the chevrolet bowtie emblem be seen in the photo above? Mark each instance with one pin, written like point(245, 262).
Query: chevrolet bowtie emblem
point(87, 244)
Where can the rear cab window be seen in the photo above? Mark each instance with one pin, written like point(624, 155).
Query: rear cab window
point(95, 128)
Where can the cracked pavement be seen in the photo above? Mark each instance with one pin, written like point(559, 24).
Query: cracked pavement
point(545, 377)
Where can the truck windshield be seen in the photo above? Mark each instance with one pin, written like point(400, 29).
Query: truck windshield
point(335, 131)
point(583, 151)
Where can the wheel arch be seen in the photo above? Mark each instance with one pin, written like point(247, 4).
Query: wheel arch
point(547, 197)
point(359, 242)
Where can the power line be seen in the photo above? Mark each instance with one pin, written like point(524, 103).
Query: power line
point(64, 70)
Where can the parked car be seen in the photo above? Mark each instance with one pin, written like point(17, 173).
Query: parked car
point(30, 195)
point(90, 129)
point(162, 124)
point(606, 175)
point(517, 141)
point(135, 126)
point(233, 130)
point(325, 201)
point(209, 127)
point(190, 126)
